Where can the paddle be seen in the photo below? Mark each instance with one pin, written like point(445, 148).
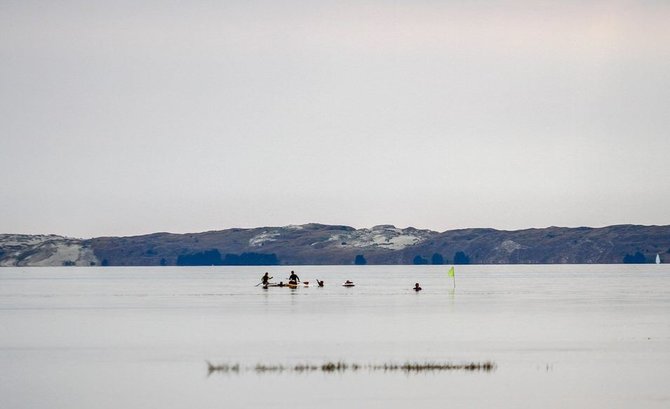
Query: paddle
point(269, 278)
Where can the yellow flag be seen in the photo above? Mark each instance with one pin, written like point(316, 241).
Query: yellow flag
point(451, 271)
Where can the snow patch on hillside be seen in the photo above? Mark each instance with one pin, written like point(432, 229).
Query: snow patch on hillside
point(265, 237)
point(20, 240)
point(294, 227)
point(59, 254)
point(509, 246)
point(385, 236)
point(44, 250)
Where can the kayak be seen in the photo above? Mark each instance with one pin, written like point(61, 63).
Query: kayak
point(288, 285)
point(348, 285)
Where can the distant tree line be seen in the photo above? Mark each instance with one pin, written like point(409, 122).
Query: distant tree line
point(459, 258)
point(419, 260)
point(251, 259)
point(213, 258)
point(635, 258)
point(205, 258)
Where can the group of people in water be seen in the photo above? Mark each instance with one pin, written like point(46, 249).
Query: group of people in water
point(294, 280)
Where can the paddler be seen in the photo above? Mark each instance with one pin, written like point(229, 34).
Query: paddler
point(266, 278)
point(417, 287)
point(294, 278)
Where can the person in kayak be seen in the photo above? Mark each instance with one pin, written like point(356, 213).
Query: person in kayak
point(417, 288)
point(266, 278)
point(294, 278)
point(320, 283)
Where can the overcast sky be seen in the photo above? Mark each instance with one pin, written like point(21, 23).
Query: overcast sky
point(130, 117)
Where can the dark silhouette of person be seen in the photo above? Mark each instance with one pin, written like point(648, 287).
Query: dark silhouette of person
point(266, 278)
point(294, 277)
point(417, 288)
point(320, 283)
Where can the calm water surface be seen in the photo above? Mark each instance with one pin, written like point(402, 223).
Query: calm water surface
point(562, 336)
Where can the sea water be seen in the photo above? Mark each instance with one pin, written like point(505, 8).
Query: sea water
point(579, 336)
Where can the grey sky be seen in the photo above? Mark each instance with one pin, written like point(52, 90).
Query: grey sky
point(132, 117)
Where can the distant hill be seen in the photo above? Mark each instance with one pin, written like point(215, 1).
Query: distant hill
point(313, 244)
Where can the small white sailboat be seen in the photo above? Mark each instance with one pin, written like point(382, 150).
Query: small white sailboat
point(658, 259)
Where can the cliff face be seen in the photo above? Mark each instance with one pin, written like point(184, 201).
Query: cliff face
point(44, 250)
point(325, 244)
